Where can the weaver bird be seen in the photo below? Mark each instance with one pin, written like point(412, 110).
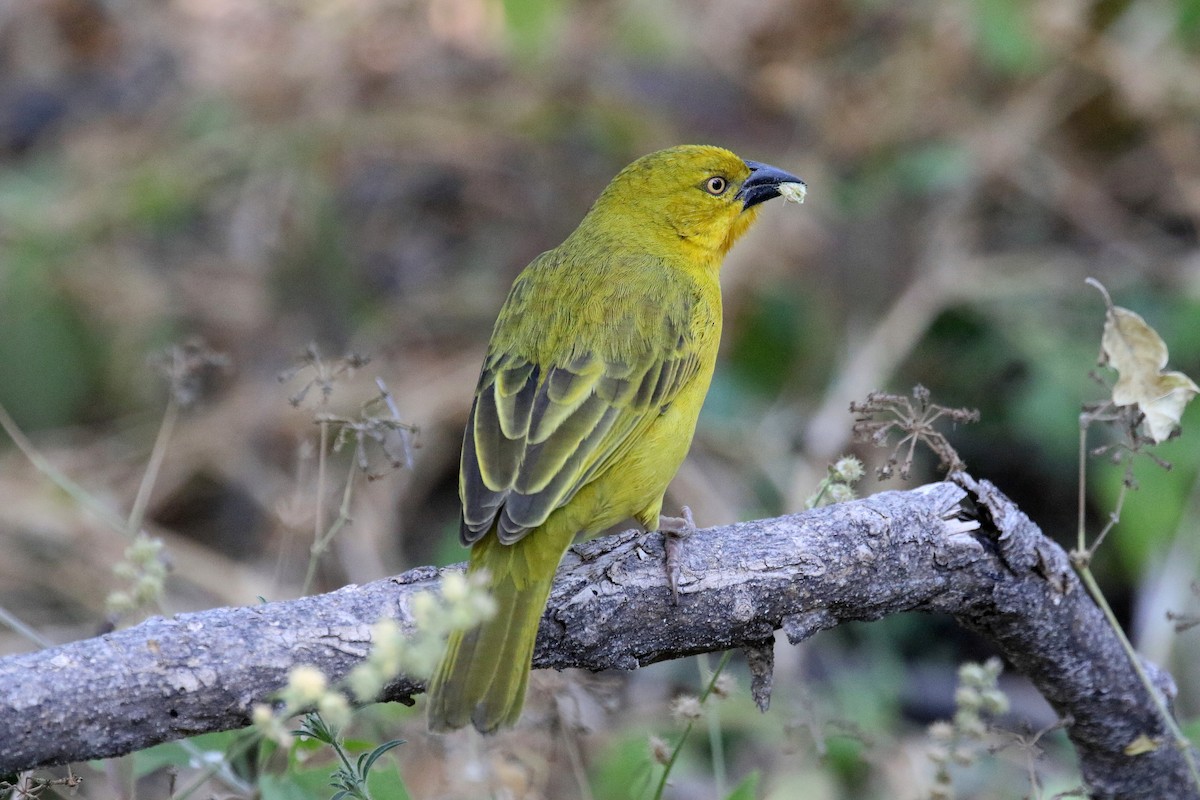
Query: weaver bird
point(588, 398)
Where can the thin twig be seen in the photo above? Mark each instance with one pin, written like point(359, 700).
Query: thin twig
point(314, 552)
point(9, 619)
point(77, 493)
point(1081, 508)
point(322, 542)
point(157, 454)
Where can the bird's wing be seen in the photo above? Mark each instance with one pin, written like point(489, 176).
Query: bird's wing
point(539, 433)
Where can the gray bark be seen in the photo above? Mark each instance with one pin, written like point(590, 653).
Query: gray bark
point(957, 547)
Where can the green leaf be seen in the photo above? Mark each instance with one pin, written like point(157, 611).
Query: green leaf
point(376, 753)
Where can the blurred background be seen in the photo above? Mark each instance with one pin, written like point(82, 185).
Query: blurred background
point(292, 181)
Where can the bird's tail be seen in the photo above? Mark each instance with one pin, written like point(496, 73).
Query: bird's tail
point(483, 675)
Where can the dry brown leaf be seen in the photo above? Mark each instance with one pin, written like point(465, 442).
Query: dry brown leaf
point(1138, 354)
point(1142, 744)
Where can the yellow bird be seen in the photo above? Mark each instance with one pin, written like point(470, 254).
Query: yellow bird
point(588, 398)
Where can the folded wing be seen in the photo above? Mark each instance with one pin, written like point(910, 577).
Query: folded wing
point(539, 433)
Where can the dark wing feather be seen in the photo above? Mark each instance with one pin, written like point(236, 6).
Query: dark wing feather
point(494, 441)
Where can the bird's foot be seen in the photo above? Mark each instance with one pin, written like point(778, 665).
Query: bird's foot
point(675, 530)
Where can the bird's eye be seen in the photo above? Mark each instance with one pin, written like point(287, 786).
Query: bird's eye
point(716, 185)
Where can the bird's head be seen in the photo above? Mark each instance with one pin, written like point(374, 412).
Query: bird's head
point(699, 195)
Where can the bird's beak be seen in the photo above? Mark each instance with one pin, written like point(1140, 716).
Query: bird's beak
point(764, 183)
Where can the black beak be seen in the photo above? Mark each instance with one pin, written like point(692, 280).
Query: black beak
point(763, 183)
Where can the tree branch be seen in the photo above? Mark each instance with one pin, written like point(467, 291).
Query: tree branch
point(957, 547)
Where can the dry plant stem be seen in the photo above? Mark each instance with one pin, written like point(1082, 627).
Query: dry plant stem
point(712, 716)
point(870, 365)
point(959, 548)
point(80, 495)
point(1081, 559)
point(323, 539)
point(319, 516)
point(1113, 518)
point(130, 528)
point(13, 622)
point(577, 768)
point(821, 492)
point(159, 452)
point(687, 729)
point(1083, 553)
point(1081, 508)
point(1028, 748)
point(1180, 739)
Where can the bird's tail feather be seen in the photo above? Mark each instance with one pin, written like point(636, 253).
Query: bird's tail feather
point(483, 676)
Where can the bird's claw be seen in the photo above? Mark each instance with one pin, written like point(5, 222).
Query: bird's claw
point(675, 530)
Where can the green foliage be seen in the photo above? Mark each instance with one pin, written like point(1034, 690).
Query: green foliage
point(350, 779)
point(899, 174)
point(47, 357)
point(448, 549)
point(1189, 23)
point(870, 701)
point(1054, 359)
point(1152, 516)
point(307, 772)
point(530, 25)
point(1022, 361)
point(314, 272)
point(298, 785)
point(838, 484)
point(162, 198)
point(621, 772)
point(846, 761)
point(236, 759)
point(1004, 31)
point(930, 167)
point(179, 754)
point(783, 343)
point(386, 783)
point(769, 341)
point(747, 789)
